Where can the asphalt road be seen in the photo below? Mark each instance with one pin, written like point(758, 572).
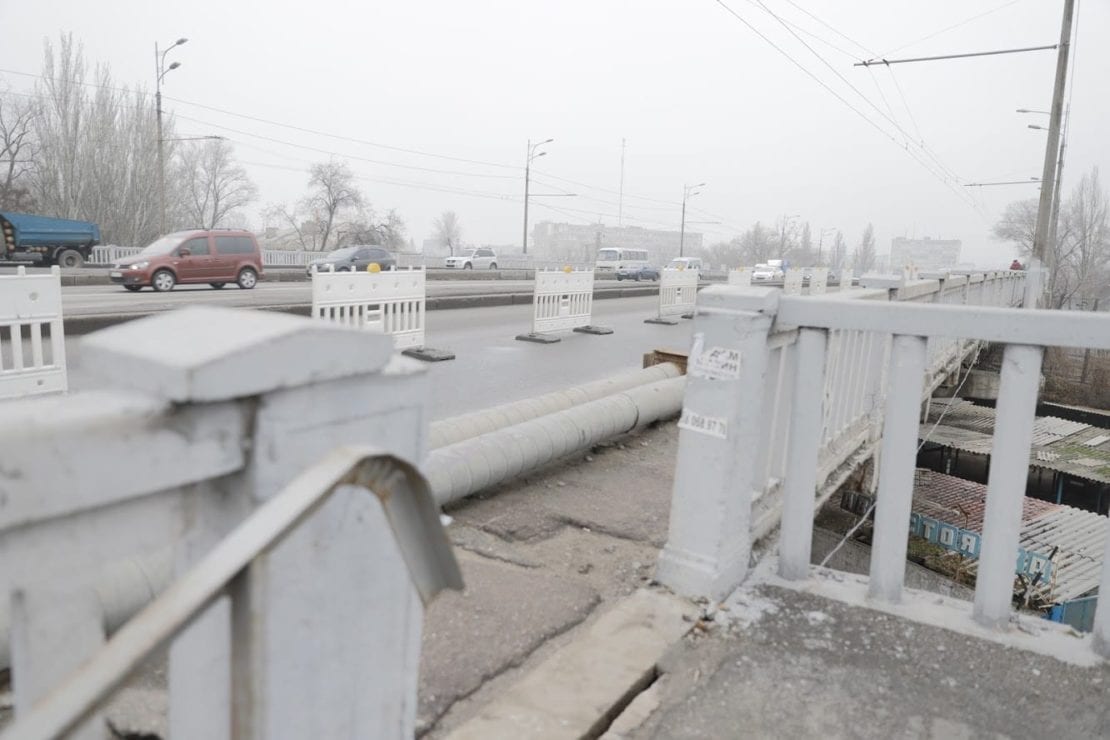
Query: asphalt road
point(113, 299)
point(492, 367)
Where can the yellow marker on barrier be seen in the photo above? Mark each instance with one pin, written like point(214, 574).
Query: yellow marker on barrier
point(373, 267)
point(568, 269)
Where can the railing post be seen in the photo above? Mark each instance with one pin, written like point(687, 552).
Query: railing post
point(709, 543)
point(897, 460)
point(806, 427)
point(1009, 470)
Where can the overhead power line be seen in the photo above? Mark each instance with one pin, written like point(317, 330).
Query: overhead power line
point(912, 153)
point(946, 29)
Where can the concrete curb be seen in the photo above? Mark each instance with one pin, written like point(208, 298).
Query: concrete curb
point(579, 690)
point(86, 324)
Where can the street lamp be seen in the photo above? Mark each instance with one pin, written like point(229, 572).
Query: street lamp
point(821, 241)
point(532, 154)
point(688, 191)
point(1055, 184)
point(160, 71)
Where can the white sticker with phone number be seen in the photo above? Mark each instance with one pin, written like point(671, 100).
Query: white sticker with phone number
point(710, 425)
point(716, 363)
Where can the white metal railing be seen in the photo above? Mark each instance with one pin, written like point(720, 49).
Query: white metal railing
point(837, 397)
point(32, 336)
point(391, 302)
point(294, 611)
point(846, 368)
point(109, 254)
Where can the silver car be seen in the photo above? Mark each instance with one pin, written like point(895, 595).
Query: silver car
point(475, 259)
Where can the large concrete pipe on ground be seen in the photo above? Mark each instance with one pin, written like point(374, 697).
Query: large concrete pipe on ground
point(457, 428)
point(468, 466)
point(488, 447)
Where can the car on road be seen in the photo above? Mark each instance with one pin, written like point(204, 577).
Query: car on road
point(354, 258)
point(763, 273)
point(645, 272)
point(686, 263)
point(216, 257)
point(476, 259)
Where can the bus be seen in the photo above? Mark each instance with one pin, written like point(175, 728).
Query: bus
point(611, 259)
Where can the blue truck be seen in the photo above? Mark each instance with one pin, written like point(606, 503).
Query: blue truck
point(47, 241)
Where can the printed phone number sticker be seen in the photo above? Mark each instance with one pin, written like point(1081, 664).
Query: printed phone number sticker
point(717, 363)
point(709, 425)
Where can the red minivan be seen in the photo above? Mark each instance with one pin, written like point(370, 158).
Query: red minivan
point(215, 257)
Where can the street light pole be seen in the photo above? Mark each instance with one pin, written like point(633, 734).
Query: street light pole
point(160, 72)
point(527, 177)
point(688, 191)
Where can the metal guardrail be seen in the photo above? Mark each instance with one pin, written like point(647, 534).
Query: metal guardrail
point(409, 508)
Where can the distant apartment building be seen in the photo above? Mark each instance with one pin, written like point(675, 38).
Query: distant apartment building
point(925, 254)
point(580, 242)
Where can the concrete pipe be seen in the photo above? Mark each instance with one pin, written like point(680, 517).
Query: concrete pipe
point(467, 467)
point(457, 428)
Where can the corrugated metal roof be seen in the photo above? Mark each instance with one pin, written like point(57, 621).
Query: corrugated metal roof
point(1069, 447)
point(1078, 537)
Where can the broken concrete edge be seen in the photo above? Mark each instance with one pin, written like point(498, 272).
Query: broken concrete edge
point(86, 324)
point(579, 690)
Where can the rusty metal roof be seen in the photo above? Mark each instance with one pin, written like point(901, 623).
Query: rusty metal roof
point(1078, 537)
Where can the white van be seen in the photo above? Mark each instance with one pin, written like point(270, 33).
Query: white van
point(612, 259)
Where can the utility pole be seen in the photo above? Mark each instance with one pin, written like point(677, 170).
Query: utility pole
point(620, 200)
point(1039, 260)
point(688, 191)
point(1059, 179)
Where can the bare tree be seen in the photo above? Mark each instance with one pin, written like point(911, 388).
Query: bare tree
point(1017, 225)
point(1079, 261)
point(802, 255)
point(332, 192)
point(18, 149)
point(1080, 265)
point(758, 244)
point(213, 184)
point(864, 258)
point(97, 156)
point(448, 230)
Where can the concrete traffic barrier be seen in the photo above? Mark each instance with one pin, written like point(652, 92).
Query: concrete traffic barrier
point(562, 300)
point(740, 277)
point(391, 302)
point(678, 290)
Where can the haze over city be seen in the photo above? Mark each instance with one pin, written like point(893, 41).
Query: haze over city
point(696, 94)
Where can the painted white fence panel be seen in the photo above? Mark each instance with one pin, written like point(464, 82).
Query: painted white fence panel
point(106, 255)
point(390, 302)
point(678, 291)
point(792, 282)
point(819, 281)
point(32, 338)
point(563, 300)
point(740, 277)
point(847, 278)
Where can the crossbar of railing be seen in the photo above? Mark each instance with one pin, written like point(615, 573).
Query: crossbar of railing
point(1041, 327)
point(409, 508)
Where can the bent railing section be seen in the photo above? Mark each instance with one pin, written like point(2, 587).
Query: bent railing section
point(407, 503)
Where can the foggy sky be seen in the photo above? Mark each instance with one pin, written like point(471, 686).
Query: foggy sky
point(696, 94)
